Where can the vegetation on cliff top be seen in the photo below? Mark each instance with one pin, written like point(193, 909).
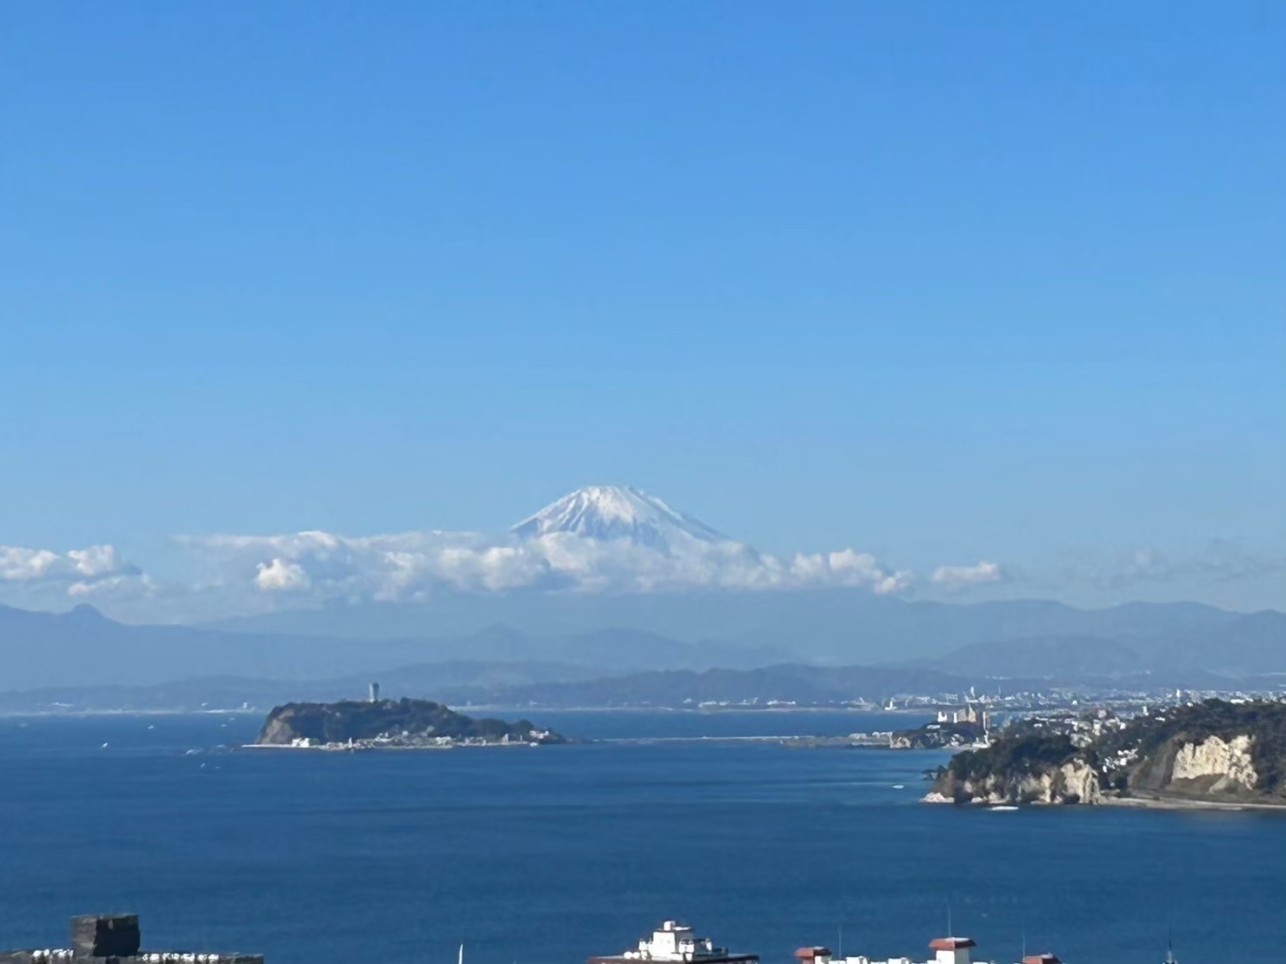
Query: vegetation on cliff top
point(1023, 755)
point(354, 720)
point(1263, 720)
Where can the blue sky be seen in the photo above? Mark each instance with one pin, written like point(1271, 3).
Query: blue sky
point(939, 282)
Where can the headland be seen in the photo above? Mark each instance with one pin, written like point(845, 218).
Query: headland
point(391, 725)
point(1225, 753)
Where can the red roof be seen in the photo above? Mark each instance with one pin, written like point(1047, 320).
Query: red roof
point(808, 953)
point(1045, 958)
point(950, 943)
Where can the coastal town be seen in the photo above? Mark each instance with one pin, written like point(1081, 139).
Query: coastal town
point(674, 942)
point(116, 939)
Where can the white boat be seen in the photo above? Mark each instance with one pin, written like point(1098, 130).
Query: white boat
point(675, 943)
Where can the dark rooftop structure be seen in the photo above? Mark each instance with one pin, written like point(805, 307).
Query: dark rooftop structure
point(115, 939)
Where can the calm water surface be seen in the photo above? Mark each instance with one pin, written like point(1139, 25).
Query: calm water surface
point(546, 856)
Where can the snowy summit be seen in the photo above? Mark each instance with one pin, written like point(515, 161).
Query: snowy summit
point(610, 512)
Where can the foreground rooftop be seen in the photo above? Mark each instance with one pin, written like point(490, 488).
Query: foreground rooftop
point(116, 939)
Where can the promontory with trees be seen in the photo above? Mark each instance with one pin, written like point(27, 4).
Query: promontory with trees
point(1227, 752)
point(392, 724)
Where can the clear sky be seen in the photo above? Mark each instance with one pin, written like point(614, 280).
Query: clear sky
point(942, 282)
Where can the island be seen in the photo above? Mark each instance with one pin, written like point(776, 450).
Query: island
point(391, 724)
point(1217, 752)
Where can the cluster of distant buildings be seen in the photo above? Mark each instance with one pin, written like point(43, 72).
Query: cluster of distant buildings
point(407, 741)
point(115, 939)
point(676, 943)
point(997, 704)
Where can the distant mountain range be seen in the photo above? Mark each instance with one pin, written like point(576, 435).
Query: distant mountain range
point(842, 626)
point(1246, 646)
point(83, 647)
point(553, 685)
point(79, 655)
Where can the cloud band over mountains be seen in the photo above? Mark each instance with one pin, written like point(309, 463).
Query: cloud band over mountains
point(416, 565)
point(80, 572)
point(596, 540)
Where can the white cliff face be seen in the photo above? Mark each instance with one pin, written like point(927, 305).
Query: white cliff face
point(1072, 782)
point(1080, 780)
point(1229, 760)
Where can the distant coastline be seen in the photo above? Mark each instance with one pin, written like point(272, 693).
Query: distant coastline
point(77, 713)
point(695, 710)
point(484, 708)
point(1160, 802)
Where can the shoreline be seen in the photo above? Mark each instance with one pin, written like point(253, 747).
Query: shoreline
point(1187, 803)
point(79, 714)
point(700, 710)
point(933, 799)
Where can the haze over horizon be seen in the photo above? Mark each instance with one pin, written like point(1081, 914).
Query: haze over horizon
point(908, 300)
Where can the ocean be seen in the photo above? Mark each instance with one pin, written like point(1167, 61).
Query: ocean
point(547, 856)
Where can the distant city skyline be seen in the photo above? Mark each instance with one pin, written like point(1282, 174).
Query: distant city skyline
point(981, 292)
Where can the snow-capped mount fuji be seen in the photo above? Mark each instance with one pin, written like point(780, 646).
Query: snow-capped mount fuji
point(611, 512)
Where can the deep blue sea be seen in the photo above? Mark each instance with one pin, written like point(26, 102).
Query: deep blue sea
point(547, 856)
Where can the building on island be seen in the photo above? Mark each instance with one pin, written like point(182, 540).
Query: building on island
point(675, 942)
point(375, 692)
point(115, 939)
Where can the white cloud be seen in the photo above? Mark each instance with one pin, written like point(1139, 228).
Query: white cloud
point(282, 576)
point(19, 564)
point(960, 578)
point(43, 577)
point(115, 588)
point(848, 568)
point(412, 566)
point(100, 562)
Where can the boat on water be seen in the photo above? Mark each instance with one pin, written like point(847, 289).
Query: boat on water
point(676, 942)
point(1002, 808)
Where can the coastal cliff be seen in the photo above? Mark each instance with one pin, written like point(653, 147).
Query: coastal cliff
point(398, 723)
point(1211, 752)
point(1073, 781)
